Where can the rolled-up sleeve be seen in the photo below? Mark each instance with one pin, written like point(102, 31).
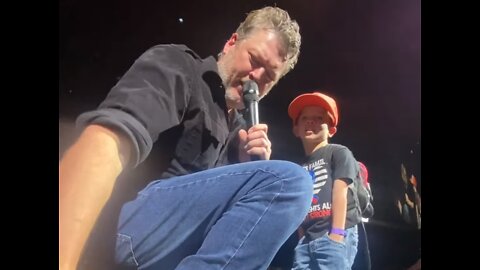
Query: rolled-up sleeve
point(150, 98)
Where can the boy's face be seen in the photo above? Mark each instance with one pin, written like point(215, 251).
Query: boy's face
point(314, 125)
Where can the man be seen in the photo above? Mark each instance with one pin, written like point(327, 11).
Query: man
point(206, 215)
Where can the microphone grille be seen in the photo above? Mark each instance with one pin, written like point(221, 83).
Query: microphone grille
point(250, 91)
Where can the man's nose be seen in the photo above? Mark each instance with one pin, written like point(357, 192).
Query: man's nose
point(258, 74)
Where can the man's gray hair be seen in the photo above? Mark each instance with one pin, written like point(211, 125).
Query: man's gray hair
point(278, 20)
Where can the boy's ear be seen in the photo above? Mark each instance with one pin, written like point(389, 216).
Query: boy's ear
point(332, 131)
point(294, 130)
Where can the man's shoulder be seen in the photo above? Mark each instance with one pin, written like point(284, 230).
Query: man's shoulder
point(180, 49)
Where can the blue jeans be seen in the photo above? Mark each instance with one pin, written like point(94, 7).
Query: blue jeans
point(231, 217)
point(326, 254)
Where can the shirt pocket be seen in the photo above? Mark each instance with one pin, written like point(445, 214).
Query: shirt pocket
point(202, 145)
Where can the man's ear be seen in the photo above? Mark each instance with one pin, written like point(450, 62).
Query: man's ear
point(332, 131)
point(230, 42)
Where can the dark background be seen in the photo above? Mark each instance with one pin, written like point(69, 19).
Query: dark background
point(365, 53)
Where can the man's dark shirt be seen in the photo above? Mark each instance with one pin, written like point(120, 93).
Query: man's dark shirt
point(172, 96)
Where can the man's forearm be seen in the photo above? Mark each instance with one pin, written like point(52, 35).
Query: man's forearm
point(87, 174)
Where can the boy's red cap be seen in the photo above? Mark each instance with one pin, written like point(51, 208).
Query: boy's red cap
point(314, 99)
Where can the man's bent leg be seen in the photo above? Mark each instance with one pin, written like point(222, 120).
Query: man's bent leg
point(232, 217)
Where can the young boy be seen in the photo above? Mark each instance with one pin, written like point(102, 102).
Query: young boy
point(329, 235)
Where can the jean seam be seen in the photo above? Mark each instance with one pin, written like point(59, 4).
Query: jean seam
point(216, 177)
point(130, 245)
point(256, 223)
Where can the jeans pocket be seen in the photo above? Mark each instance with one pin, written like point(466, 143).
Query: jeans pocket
point(124, 254)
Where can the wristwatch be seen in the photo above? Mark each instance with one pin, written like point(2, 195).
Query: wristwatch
point(338, 231)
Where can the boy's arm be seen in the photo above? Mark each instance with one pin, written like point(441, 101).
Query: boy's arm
point(339, 207)
point(87, 174)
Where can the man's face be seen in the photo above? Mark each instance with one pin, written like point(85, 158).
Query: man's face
point(313, 124)
point(258, 57)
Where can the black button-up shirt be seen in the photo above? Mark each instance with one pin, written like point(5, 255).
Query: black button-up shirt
point(173, 97)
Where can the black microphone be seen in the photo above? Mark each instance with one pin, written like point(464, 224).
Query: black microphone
point(250, 100)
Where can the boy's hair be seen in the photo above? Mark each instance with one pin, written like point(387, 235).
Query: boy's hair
point(314, 99)
point(278, 20)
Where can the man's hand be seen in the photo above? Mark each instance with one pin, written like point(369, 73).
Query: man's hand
point(254, 142)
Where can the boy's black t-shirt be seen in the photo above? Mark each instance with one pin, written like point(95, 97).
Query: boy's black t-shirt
point(326, 164)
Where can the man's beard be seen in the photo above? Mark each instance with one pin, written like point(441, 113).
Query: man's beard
point(224, 70)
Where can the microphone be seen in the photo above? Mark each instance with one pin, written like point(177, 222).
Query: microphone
point(250, 100)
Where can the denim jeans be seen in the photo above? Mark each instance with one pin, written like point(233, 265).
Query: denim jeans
point(231, 217)
point(326, 254)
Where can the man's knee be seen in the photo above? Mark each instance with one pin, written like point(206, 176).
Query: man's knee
point(301, 179)
point(298, 185)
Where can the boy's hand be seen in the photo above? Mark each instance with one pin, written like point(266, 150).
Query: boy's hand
point(336, 237)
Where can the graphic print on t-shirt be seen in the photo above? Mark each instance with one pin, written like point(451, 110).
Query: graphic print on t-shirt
point(321, 201)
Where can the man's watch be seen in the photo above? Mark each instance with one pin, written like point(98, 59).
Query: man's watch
point(338, 231)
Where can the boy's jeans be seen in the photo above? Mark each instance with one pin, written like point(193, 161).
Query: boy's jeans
point(231, 217)
point(325, 254)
